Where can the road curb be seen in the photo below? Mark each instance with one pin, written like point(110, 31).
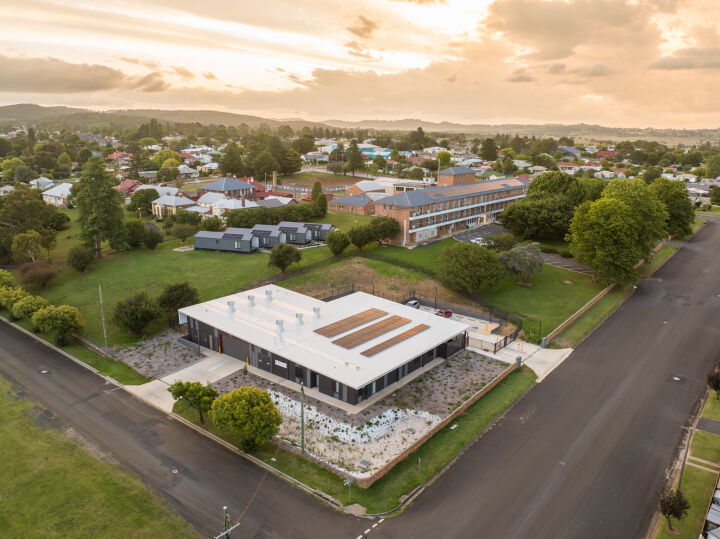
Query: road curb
point(62, 352)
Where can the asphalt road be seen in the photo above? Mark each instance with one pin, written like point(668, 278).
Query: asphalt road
point(582, 455)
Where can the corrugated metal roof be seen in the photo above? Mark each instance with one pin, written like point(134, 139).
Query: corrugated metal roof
point(227, 184)
point(432, 195)
point(457, 170)
point(352, 200)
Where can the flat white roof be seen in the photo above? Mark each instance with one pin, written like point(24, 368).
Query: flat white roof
point(299, 343)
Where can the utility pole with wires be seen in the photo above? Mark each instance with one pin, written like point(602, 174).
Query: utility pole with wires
point(102, 315)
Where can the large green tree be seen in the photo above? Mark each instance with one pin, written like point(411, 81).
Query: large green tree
point(135, 312)
point(197, 396)
point(61, 321)
point(232, 161)
point(605, 235)
point(680, 213)
point(489, 150)
point(469, 268)
point(176, 296)
point(384, 228)
point(99, 207)
point(337, 241)
point(141, 200)
point(522, 261)
point(283, 255)
point(291, 162)
point(249, 413)
point(263, 166)
point(354, 159)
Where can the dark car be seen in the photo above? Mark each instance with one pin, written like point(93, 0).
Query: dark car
point(445, 313)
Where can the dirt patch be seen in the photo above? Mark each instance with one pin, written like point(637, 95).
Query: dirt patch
point(565, 281)
point(308, 181)
point(158, 356)
point(89, 446)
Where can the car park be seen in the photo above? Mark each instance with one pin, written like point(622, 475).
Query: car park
point(445, 313)
point(415, 304)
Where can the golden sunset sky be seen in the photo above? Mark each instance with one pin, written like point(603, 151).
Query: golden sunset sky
point(613, 62)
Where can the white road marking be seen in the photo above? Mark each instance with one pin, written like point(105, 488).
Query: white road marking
point(374, 525)
point(381, 521)
point(367, 531)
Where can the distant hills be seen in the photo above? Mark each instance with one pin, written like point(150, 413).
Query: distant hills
point(77, 118)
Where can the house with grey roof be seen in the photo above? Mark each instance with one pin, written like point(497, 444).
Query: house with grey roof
point(297, 233)
point(161, 190)
point(41, 183)
point(169, 205)
point(268, 235)
point(229, 186)
point(569, 151)
point(357, 204)
point(59, 195)
point(234, 240)
point(456, 176)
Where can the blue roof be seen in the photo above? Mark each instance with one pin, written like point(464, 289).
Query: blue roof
point(353, 200)
point(433, 195)
point(457, 170)
point(226, 184)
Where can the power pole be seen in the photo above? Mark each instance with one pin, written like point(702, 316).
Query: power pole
point(102, 315)
point(227, 522)
point(302, 417)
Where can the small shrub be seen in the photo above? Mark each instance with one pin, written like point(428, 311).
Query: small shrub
point(566, 253)
point(27, 306)
point(39, 272)
point(80, 257)
point(548, 249)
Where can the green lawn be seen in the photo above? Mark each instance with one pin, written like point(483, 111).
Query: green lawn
point(214, 274)
point(658, 259)
point(68, 238)
point(344, 221)
point(714, 210)
point(559, 245)
point(423, 257)
point(309, 178)
point(712, 407)
point(548, 302)
point(51, 487)
point(705, 446)
point(591, 318)
point(434, 454)
point(698, 486)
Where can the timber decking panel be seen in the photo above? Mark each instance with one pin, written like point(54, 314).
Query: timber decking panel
point(395, 340)
point(356, 338)
point(346, 324)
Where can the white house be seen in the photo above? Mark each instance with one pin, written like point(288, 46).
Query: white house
point(58, 195)
point(187, 172)
point(220, 207)
point(41, 183)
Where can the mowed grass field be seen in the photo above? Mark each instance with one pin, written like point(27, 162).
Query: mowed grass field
point(52, 487)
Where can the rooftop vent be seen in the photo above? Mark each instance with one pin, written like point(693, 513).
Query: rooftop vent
point(231, 306)
point(251, 300)
point(268, 295)
point(317, 312)
point(299, 317)
point(279, 325)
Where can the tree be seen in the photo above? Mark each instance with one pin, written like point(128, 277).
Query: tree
point(672, 504)
point(61, 322)
point(151, 238)
point(284, 254)
point(48, 240)
point(197, 396)
point(135, 230)
point(10, 295)
point(489, 150)
point(380, 162)
point(291, 162)
point(164, 155)
point(337, 241)
point(522, 261)
point(168, 174)
point(27, 306)
point(556, 183)
point(141, 200)
point(176, 296)
point(316, 191)
point(469, 268)
point(264, 165)
point(135, 312)
point(713, 382)
point(184, 217)
point(503, 241)
point(680, 214)
point(353, 158)
point(6, 279)
point(303, 145)
point(99, 206)
point(80, 257)
point(651, 174)
point(714, 194)
point(592, 187)
point(443, 159)
point(542, 218)
point(416, 174)
point(360, 236)
point(322, 205)
point(605, 235)
point(649, 213)
point(249, 413)
point(38, 272)
point(232, 161)
point(384, 228)
point(212, 224)
point(25, 246)
point(182, 231)
point(713, 167)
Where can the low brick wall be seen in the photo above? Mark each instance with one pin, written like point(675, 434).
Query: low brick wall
point(367, 481)
point(578, 314)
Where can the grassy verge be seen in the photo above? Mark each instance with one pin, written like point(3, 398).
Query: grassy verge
point(698, 486)
point(117, 370)
point(706, 446)
point(591, 318)
point(658, 259)
point(434, 454)
point(344, 221)
point(712, 407)
point(53, 488)
point(714, 210)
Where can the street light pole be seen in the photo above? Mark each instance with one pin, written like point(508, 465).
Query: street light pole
point(102, 315)
point(302, 417)
point(227, 522)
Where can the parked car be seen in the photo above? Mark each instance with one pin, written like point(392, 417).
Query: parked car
point(415, 304)
point(445, 313)
point(482, 242)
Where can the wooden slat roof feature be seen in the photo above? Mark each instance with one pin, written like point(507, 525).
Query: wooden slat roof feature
point(346, 324)
point(394, 340)
point(356, 338)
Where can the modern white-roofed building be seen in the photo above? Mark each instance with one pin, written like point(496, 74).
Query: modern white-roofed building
point(349, 348)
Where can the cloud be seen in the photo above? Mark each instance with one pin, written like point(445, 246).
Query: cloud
point(54, 76)
point(182, 72)
point(363, 27)
point(209, 75)
point(451, 78)
point(145, 63)
point(152, 82)
point(595, 70)
point(356, 49)
point(690, 58)
point(521, 75)
point(555, 69)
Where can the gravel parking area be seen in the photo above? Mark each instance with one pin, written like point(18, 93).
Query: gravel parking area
point(159, 356)
point(481, 232)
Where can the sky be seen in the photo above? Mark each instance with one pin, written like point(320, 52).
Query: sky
point(628, 63)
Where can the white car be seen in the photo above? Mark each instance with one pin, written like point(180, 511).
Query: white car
point(481, 241)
